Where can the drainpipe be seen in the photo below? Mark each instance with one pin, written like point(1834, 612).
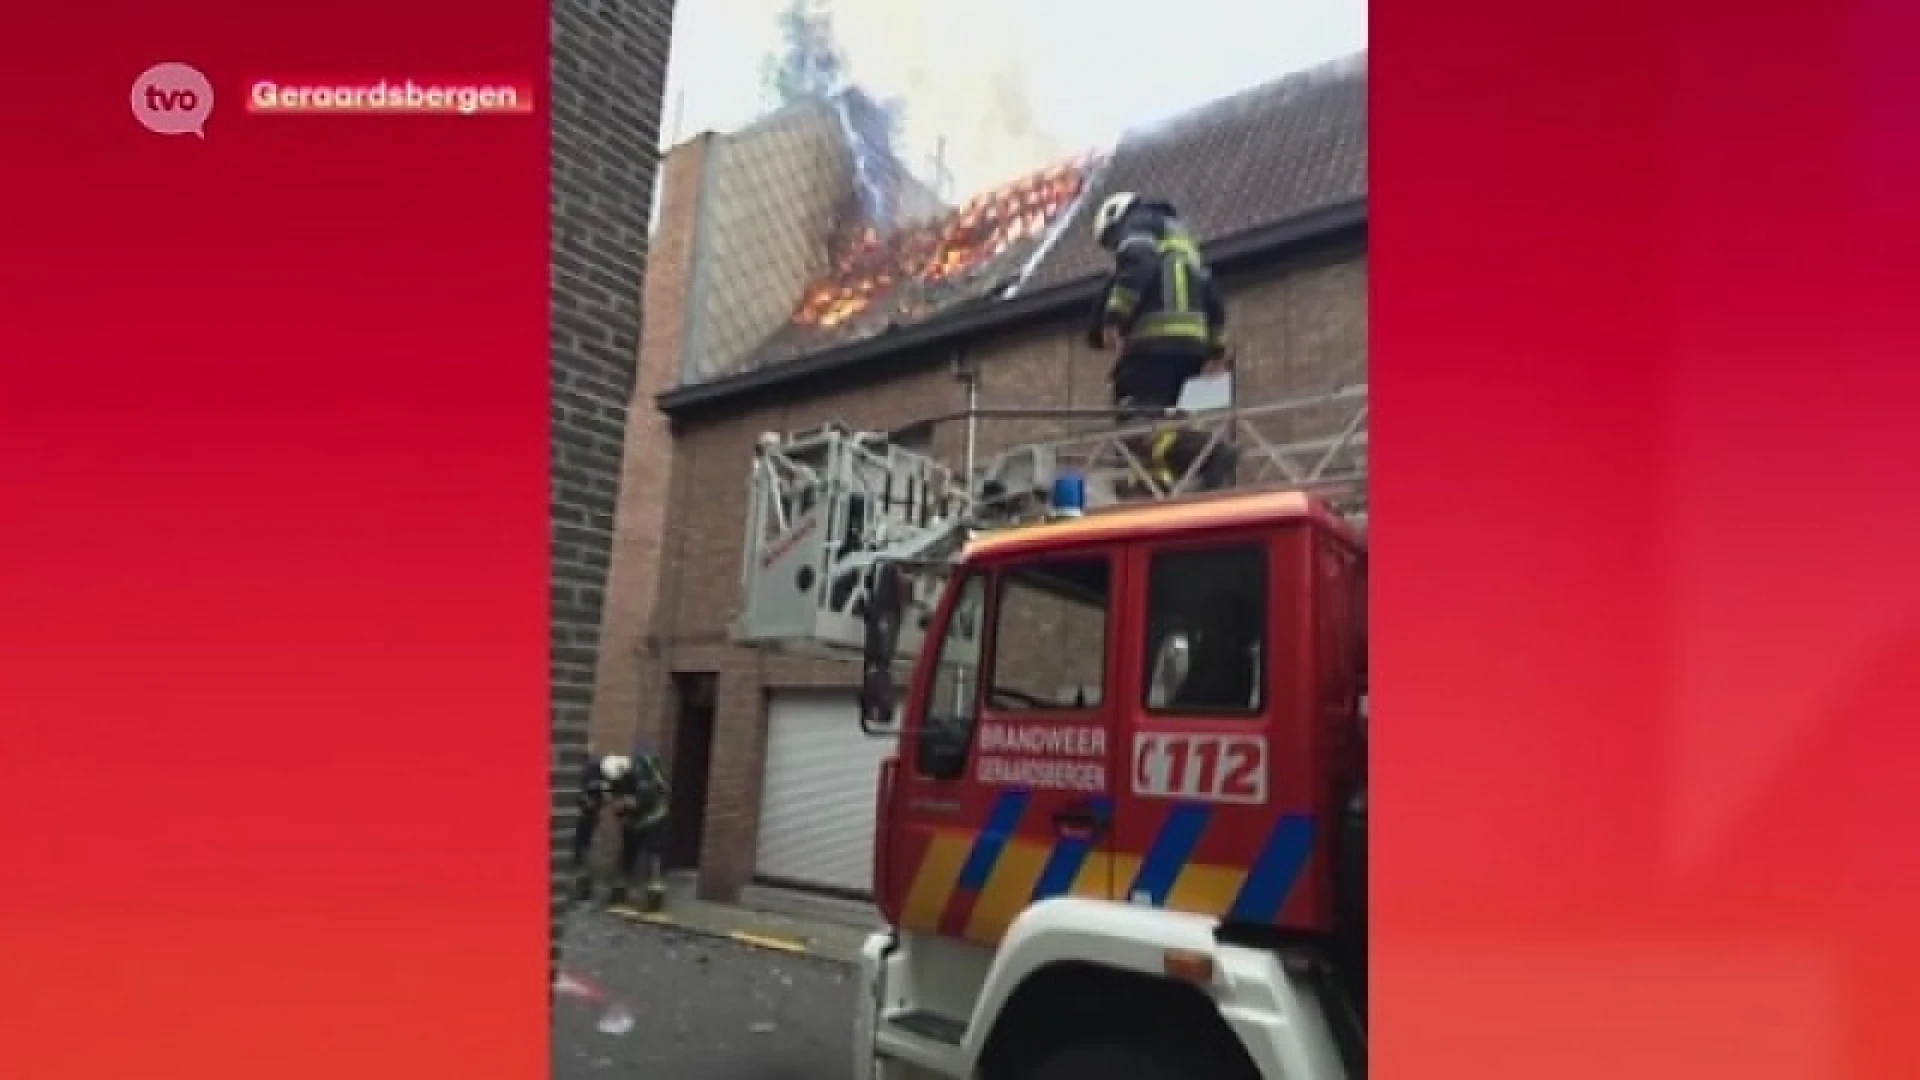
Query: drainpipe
point(969, 375)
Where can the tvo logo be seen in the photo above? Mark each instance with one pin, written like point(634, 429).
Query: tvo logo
point(173, 99)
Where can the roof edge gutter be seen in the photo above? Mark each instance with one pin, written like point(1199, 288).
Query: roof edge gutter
point(1226, 254)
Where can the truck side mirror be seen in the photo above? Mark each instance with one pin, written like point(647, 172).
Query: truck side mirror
point(886, 603)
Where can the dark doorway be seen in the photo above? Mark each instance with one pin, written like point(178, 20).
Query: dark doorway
point(692, 751)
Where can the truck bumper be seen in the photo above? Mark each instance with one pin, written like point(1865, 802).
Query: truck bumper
point(869, 994)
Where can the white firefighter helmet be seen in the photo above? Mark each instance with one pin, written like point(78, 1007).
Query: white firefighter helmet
point(1112, 209)
point(614, 766)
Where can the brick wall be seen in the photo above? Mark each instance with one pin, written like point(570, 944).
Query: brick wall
point(641, 516)
point(743, 226)
point(609, 71)
point(1296, 332)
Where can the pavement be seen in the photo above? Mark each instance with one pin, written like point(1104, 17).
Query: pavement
point(701, 1007)
point(711, 991)
point(777, 919)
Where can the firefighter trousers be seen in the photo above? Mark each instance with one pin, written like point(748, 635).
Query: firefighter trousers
point(637, 840)
point(1147, 382)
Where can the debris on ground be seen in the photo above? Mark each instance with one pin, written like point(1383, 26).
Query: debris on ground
point(615, 1018)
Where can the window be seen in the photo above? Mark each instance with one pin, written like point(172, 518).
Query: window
point(1206, 630)
point(1050, 636)
point(951, 698)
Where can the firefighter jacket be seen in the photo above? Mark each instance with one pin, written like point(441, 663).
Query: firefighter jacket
point(1161, 292)
point(639, 797)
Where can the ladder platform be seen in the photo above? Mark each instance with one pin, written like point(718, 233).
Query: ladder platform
point(1254, 447)
point(829, 506)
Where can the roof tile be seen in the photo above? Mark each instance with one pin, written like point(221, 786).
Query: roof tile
point(1261, 156)
point(881, 280)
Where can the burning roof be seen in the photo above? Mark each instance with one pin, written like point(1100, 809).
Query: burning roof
point(1268, 154)
point(881, 278)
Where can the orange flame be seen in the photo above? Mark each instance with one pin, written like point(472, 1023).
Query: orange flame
point(868, 267)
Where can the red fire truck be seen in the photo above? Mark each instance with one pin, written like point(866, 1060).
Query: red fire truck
point(1123, 837)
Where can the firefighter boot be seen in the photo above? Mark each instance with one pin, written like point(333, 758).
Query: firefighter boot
point(582, 886)
point(654, 900)
point(1162, 459)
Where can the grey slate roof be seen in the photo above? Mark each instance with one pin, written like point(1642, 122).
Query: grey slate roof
point(1261, 156)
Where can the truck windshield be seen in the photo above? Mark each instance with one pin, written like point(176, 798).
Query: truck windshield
point(1050, 630)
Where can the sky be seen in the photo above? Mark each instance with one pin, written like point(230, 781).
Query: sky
point(1009, 94)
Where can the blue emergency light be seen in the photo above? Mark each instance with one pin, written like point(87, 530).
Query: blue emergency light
point(1069, 495)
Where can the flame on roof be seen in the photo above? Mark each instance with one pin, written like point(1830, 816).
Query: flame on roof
point(870, 266)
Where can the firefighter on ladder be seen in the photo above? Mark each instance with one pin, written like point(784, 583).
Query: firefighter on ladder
point(636, 791)
point(1162, 312)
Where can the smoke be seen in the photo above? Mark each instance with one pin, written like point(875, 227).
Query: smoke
point(869, 128)
point(962, 85)
point(1009, 134)
point(1009, 108)
point(811, 61)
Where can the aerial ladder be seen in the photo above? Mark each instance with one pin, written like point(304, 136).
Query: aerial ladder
point(851, 538)
point(829, 507)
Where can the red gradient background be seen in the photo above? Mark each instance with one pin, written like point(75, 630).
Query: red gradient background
point(273, 570)
point(273, 548)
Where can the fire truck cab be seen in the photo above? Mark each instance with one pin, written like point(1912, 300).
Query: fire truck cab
point(1123, 836)
point(1112, 844)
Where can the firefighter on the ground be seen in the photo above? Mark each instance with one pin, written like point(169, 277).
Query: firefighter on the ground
point(636, 792)
point(1161, 310)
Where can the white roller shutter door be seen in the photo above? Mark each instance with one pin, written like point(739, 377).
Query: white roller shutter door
point(816, 803)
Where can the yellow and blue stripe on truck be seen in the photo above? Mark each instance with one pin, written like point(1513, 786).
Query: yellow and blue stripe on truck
point(973, 883)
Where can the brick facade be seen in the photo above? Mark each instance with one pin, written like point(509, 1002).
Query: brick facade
point(742, 221)
point(608, 76)
point(641, 517)
point(1297, 330)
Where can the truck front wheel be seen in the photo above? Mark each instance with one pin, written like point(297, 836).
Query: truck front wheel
point(1108, 1061)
